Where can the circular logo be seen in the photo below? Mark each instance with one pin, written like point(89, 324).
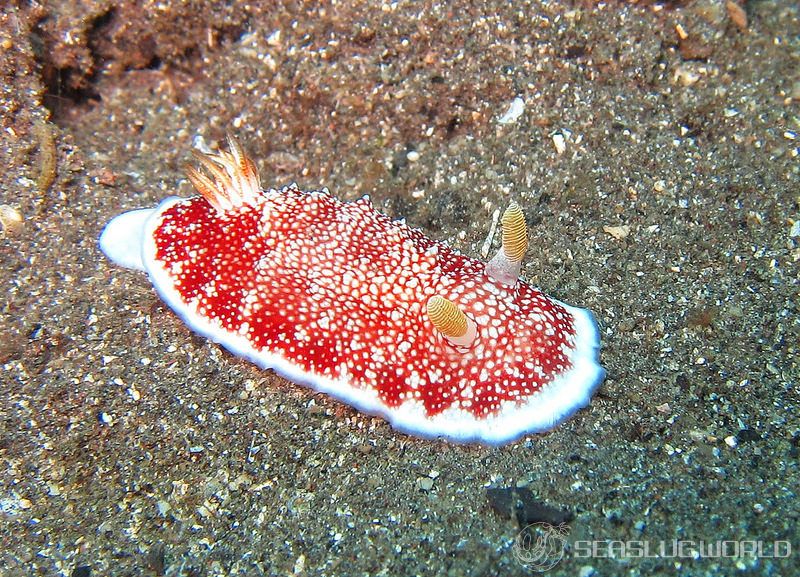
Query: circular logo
point(540, 546)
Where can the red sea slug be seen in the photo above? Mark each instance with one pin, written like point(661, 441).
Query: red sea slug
point(339, 297)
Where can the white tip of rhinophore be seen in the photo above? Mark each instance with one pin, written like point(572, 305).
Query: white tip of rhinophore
point(122, 238)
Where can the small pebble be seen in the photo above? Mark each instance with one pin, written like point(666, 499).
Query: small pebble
point(737, 15)
point(618, 232)
point(515, 110)
point(299, 565)
point(11, 221)
point(559, 142)
point(424, 484)
point(686, 76)
point(163, 508)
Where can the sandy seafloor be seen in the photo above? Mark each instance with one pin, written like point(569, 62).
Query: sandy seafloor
point(131, 447)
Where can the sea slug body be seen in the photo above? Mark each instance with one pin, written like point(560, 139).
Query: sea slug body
point(339, 297)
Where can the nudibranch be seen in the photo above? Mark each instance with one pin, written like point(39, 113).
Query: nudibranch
point(337, 296)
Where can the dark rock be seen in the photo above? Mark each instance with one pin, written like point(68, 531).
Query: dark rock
point(746, 435)
point(81, 571)
point(530, 510)
point(501, 500)
point(520, 503)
